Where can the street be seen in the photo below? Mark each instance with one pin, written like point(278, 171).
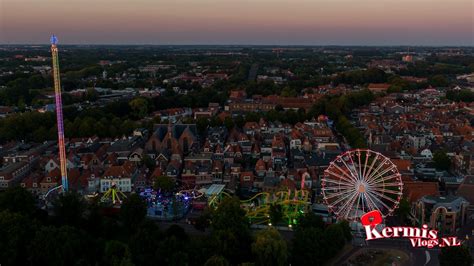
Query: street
point(418, 256)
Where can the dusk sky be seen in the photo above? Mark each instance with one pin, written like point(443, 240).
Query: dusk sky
point(273, 22)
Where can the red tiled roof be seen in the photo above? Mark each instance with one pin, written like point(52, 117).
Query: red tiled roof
point(413, 191)
point(117, 170)
point(379, 86)
point(402, 165)
point(466, 189)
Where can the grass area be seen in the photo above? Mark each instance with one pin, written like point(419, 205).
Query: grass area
point(393, 257)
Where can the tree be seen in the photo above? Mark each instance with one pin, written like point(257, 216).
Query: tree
point(463, 95)
point(117, 253)
point(276, 214)
point(163, 183)
point(144, 243)
point(200, 249)
point(438, 81)
point(127, 127)
point(458, 256)
point(139, 107)
point(231, 231)
point(252, 117)
point(346, 229)
point(269, 248)
point(230, 216)
point(288, 92)
point(334, 239)
point(394, 89)
point(86, 129)
point(239, 121)
point(215, 121)
point(229, 123)
point(309, 247)
point(441, 160)
point(41, 134)
point(148, 162)
point(100, 130)
point(132, 212)
point(203, 221)
point(62, 246)
point(172, 251)
point(403, 210)
point(15, 234)
point(201, 124)
point(92, 95)
point(310, 220)
point(69, 208)
point(17, 199)
point(216, 260)
point(176, 231)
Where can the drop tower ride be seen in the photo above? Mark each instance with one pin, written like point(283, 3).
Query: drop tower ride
point(59, 112)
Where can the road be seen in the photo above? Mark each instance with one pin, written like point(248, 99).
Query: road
point(418, 256)
point(253, 72)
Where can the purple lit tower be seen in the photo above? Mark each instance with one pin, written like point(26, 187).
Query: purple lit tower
point(59, 112)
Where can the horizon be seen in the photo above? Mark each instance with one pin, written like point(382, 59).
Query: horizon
point(250, 45)
point(240, 22)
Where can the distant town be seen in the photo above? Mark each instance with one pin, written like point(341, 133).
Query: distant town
point(243, 121)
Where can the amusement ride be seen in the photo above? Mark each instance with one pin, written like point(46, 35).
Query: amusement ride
point(59, 112)
point(359, 181)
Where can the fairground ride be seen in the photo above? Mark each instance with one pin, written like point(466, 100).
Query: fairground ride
point(59, 113)
point(168, 206)
point(359, 181)
point(293, 204)
point(113, 197)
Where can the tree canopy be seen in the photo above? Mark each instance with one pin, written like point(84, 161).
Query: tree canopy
point(269, 248)
point(455, 256)
point(441, 160)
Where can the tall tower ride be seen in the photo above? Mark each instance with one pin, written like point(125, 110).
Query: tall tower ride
point(59, 112)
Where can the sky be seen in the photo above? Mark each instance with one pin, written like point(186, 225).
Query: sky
point(260, 22)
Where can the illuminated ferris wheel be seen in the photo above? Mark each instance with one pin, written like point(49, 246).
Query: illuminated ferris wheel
point(359, 181)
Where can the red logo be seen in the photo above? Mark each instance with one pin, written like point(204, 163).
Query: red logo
point(419, 237)
point(371, 218)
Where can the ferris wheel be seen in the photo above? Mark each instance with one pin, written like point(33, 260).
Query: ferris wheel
point(359, 181)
